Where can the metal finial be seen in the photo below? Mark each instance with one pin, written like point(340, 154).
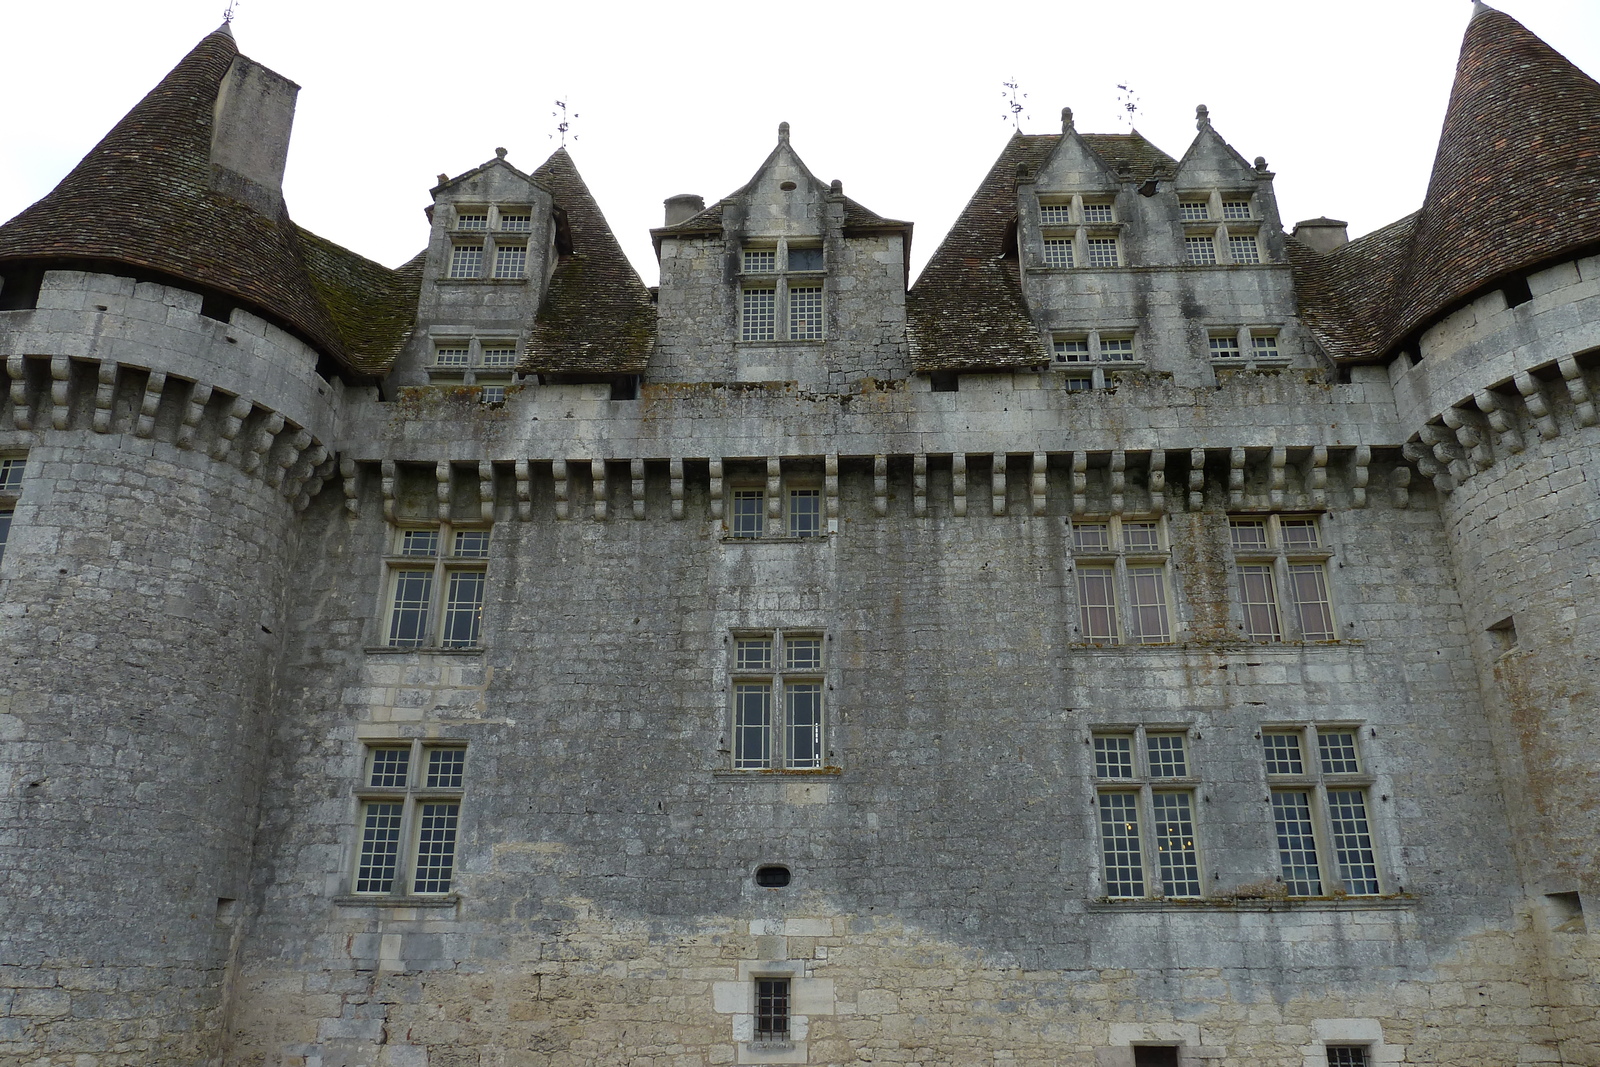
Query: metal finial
point(565, 123)
point(1127, 102)
point(227, 12)
point(1015, 108)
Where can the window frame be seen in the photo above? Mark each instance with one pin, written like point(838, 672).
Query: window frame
point(1319, 786)
point(473, 367)
point(1280, 561)
point(1237, 346)
point(1099, 356)
point(1124, 562)
point(1073, 232)
point(413, 799)
point(780, 676)
point(788, 319)
point(442, 570)
point(497, 234)
point(1144, 785)
point(763, 522)
point(13, 469)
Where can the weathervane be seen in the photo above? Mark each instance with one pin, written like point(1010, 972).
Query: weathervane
point(227, 12)
point(1128, 103)
point(566, 122)
point(1015, 109)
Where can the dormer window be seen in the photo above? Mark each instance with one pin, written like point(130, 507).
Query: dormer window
point(1243, 248)
point(1236, 209)
point(1055, 214)
point(1079, 233)
point(466, 261)
point(510, 260)
point(1220, 229)
point(1098, 213)
point(1104, 252)
point(516, 221)
point(481, 244)
point(1058, 252)
point(472, 219)
point(782, 289)
point(1194, 210)
point(1200, 250)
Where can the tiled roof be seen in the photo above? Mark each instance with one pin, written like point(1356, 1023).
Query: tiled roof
point(373, 308)
point(598, 317)
point(1516, 179)
point(856, 218)
point(142, 198)
point(1344, 294)
point(966, 310)
point(1131, 155)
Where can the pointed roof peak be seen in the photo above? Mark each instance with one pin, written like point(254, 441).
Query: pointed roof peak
point(226, 29)
point(1480, 8)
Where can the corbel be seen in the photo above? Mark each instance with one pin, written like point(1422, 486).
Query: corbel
point(597, 474)
point(675, 485)
point(958, 484)
point(1500, 418)
point(1158, 481)
point(997, 483)
point(1421, 456)
point(60, 391)
point(524, 476)
point(1236, 478)
point(830, 490)
point(563, 486)
point(1578, 390)
point(1360, 461)
point(880, 486)
point(1464, 424)
point(919, 484)
point(1119, 479)
point(636, 473)
point(303, 458)
point(387, 468)
point(152, 402)
point(1080, 482)
point(1041, 483)
point(1447, 451)
point(21, 413)
point(316, 478)
point(1317, 476)
point(441, 488)
point(228, 429)
point(105, 395)
point(1538, 406)
point(1197, 478)
point(485, 491)
point(774, 490)
point(716, 489)
point(1399, 485)
point(349, 482)
point(199, 397)
point(261, 442)
point(1277, 463)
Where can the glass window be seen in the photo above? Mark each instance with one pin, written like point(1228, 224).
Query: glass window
point(516, 222)
point(1283, 753)
point(1243, 248)
point(1058, 252)
point(805, 313)
point(380, 847)
point(453, 356)
point(805, 259)
point(772, 1009)
point(429, 822)
point(463, 610)
point(499, 357)
point(1095, 213)
point(759, 314)
point(390, 767)
point(446, 767)
point(760, 260)
point(1200, 251)
point(753, 654)
point(11, 476)
point(1173, 827)
point(749, 512)
point(752, 725)
point(1113, 756)
point(1236, 209)
point(1168, 755)
point(1264, 346)
point(1103, 252)
point(1223, 346)
point(1194, 210)
point(1122, 871)
point(1259, 600)
point(1097, 604)
point(1337, 751)
point(1116, 349)
point(466, 261)
point(472, 544)
point(1055, 214)
point(1091, 537)
point(408, 617)
point(1297, 847)
point(472, 219)
point(436, 846)
point(805, 513)
point(1071, 350)
point(510, 261)
point(1352, 841)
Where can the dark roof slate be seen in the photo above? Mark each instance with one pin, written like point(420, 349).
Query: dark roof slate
point(598, 317)
point(373, 308)
point(143, 198)
point(1344, 294)
point(966, 310)
point(1130, 155)
point(1516, 179)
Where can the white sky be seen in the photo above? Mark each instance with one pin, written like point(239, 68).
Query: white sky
point(1344, 99)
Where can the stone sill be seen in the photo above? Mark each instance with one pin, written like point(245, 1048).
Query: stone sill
point(389, 650)
point(1157, 269)
point(1393, 902)
point(777, 774)
point(354, 901)
point(480, 281)
point(730, 539)
point(1240, 645)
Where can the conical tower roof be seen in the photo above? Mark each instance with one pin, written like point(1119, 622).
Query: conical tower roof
point(1516, 179)
point(142, 198)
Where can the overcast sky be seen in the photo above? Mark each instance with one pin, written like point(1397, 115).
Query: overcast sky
point(1344, 99)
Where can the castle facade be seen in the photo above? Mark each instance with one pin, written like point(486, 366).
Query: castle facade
point(1155, 637)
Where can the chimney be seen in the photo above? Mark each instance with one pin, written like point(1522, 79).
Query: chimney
point(250, 125)
point(1322, 235)
point(683, 206)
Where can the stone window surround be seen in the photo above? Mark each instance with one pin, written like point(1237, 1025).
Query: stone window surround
point(1316, 782)
point(1079, 229)
point(1249, 354)
point(1145, 784)
point(411, 797)
point(443, 565)
point(809, 997)
point(777, 676)
point(780, 279)
point(1099, 362)
point(1223, 220)
point(475, 372)
point(1280, 558)
point(12, 468)
point(1120, 558)
point(488, 236)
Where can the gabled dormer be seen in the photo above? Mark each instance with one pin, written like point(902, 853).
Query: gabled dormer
point(786, 279)
point(1069, 215)
point(492, 245)
point(1227, 214)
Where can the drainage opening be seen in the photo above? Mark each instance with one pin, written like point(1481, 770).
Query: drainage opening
point(772, 876)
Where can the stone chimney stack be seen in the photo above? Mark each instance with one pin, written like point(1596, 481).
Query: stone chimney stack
point(250, 126)
point(683, 206)
point(1323, 235)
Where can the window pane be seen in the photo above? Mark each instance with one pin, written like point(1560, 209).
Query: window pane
point(1352, 841)
point(499, 357)
point(1299, 533)
point(1168, 754)
point(1200, 251)
point(510, 261)
point(1236, 209)
point(1077, 384)
point(1175, 848)
point(805, 313)
point(1119, 845)
point(805, 513)
point(753, 654)
point(1244, 248)
point(1249, 535)
point(445, 767)
point(1097, 605)
point(1057, 252)
point(749, 512)
point(758, 314)
point(516, 223)
point(802, 654)
point(455, 356)
point(1223, 347)
point(466, 261)
point(752, 725)
point(1264, 347)
point(1071, 351)
point(1347, 1056)
point(1308, 585)
point(1140, 537)
point(1260, 602)
point(380, 848)
point(1091, 537)
point(760, 261)
point(1147, 611)
point(1283, 753)
point(1113, 756)
point(1194, 210)
point(1097, 213)
point(436, 847)
point(804, 739)
point(390, 767)
point(472, 544)
point(472, 220)
point(1116, 349)
point(772, 1009)
point(1297, 848)
point(419, 542)
point(1103, 252)
point(408, 619)
point(463, 610)
point(5, 531)
point(1055, 214)
point(1337, 750)
point(805, 258)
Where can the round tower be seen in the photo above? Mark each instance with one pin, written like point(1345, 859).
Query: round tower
point(171, 374)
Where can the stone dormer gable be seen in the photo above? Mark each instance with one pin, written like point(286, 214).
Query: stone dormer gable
point(493, 224)
point(1226, 209)
point(1210, 161)
point(1074, 166)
